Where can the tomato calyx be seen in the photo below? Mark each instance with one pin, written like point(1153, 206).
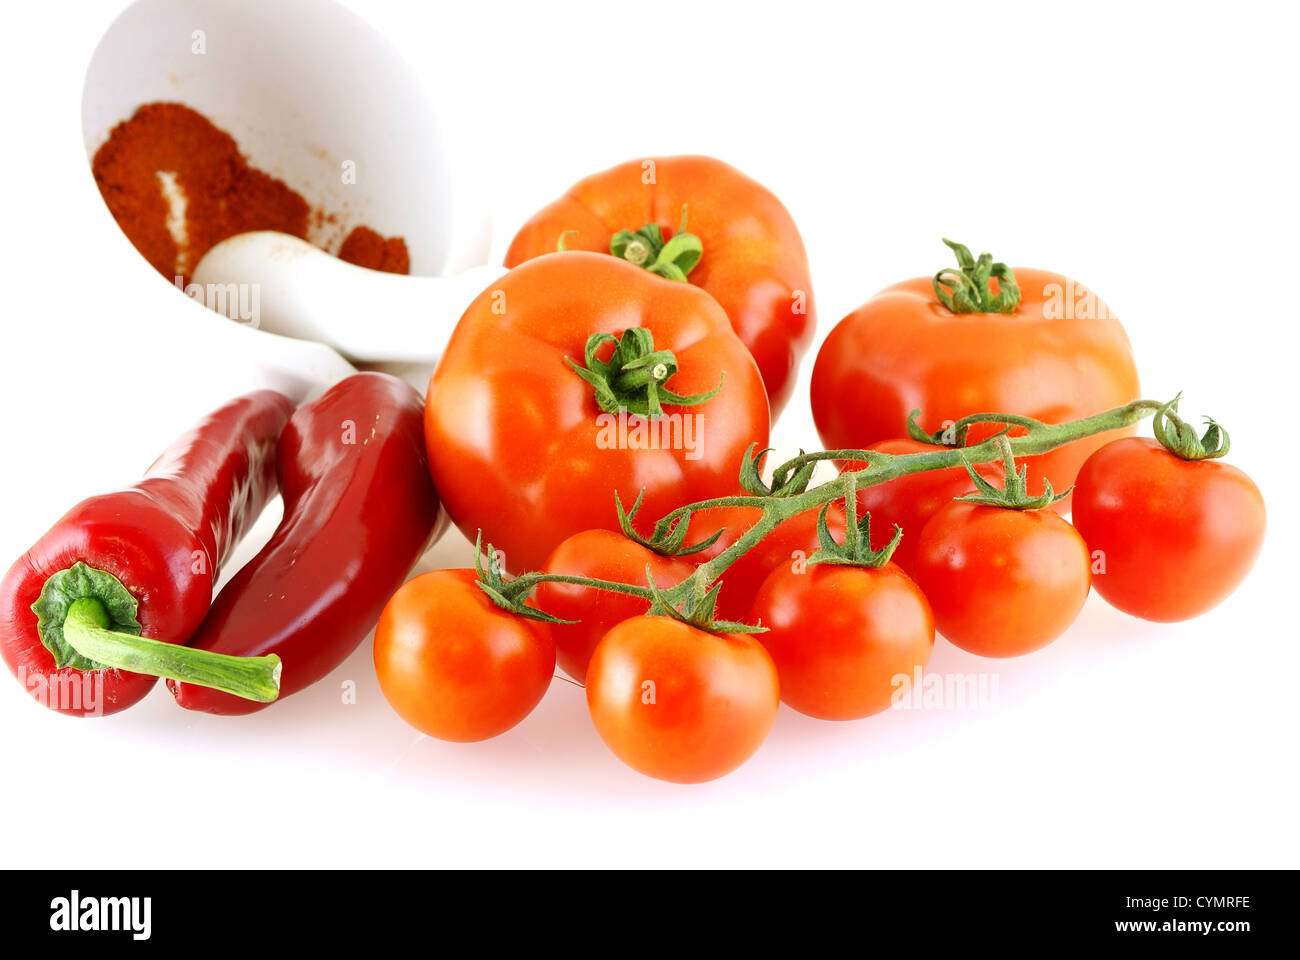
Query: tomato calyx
point(633, 378)
point(673, 259)
point(696, 608)
point(789, 479)
point(856, 550)
point(1179, 437)
point(1014, 494)
point(512, 594)
point(967, 288)
point(669, 536)
point(509, 595)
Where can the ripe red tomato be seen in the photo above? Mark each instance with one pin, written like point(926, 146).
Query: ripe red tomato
point(1176, 536)
point(910, 501)
point(840, 635)
point(599, 555)
point(519, 447)
point(1061, 355)
point(791, 543)
point(1002, 582)
point(677, 703)
point(456, 666)
point(753, 262)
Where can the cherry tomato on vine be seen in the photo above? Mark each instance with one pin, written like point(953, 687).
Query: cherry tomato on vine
point(677, 703)
point(1058, 354)
point(456, 666)
point(840, 635)
point(752, 258)
point(598, 555)
point(526, 449)
point(791, 543)
point(911, 500)
point(1002, 582)
point(1176, 536)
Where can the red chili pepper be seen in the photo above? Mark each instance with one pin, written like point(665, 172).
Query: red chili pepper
point(153, 550)
point(359, 510)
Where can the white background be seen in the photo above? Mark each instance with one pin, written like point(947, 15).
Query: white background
point(1145, 149)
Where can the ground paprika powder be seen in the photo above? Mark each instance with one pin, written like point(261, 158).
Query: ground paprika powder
point(177, 185)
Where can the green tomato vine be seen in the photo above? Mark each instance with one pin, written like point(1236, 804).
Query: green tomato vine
point(789, 494)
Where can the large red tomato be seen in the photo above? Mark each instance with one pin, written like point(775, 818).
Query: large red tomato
point(1058, 356)
point(518, 444)
point(753, 259)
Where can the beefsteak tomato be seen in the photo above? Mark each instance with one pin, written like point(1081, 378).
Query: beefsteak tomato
point(526, 449)
point(753, 260)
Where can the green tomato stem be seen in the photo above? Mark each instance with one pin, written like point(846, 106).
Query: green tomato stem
point(967, 288)
point(633, 378)
point(524, 584)
point(646, 248)
point(880, 468)
point(884, 467)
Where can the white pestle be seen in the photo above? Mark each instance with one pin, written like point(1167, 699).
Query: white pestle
point(366, 315)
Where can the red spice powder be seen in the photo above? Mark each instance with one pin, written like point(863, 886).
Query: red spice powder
point(366, 248)
point(168, 155)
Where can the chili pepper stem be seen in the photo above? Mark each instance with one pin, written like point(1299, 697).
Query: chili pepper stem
point(253, 678)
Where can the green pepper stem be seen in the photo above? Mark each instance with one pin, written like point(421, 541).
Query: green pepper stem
point(253, 678)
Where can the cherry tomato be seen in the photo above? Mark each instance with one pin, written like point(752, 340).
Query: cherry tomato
point(1175, 536)
point(456, 666)
point(520, 448)
point(753, 262)
point(791, 543)
point(599, 555)
point(1002, 582)
point(910, 501)
point(680, 704)
point(1060, 356)
point(840, 635)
